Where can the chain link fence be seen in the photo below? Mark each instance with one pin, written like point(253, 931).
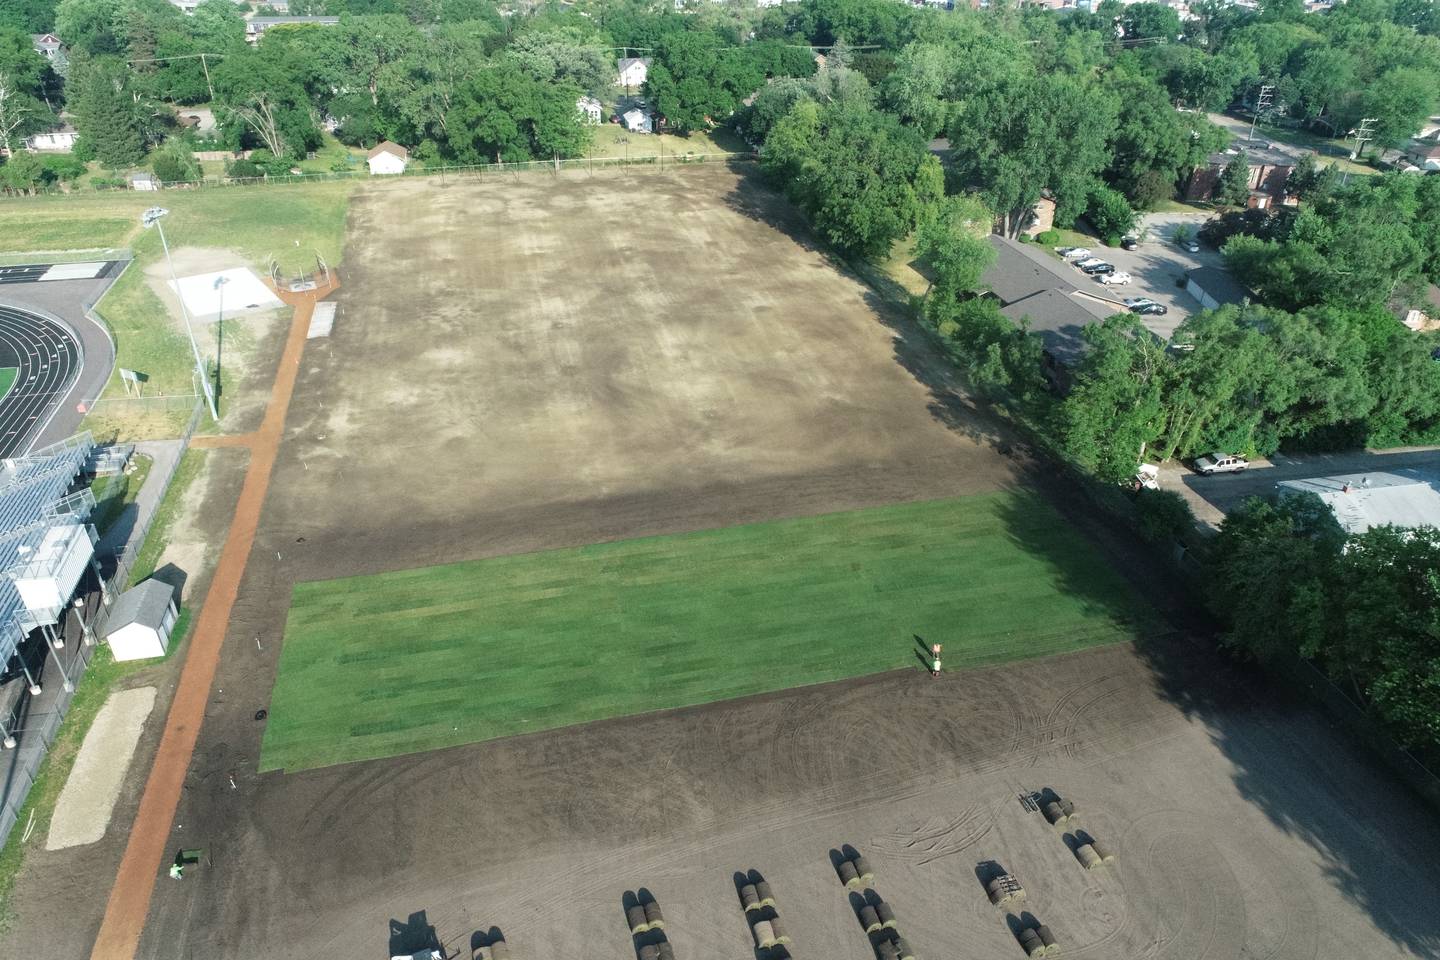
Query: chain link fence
point(33, 722)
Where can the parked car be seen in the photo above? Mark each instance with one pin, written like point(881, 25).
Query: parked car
point(1187, 242)
point(1129, 241)
point(1217, 462)
point(1147, 475)
point(1087, 262)
point(1151, 310)
point(1074, 253)
point(1095, 269)
point(1114, 278)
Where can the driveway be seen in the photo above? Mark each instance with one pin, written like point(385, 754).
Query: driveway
point(1213, 497)
point(1159, 265)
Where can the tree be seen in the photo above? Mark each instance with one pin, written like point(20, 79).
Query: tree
point(1154, 144)
point(1035, 133)
point(175, 163)
point(1115, 408)
point(22, 173)
point(1233, 187)
point(504, 115)
point(953, 240)
point(999, 356)
point(915, 90)
point(862, 177)
point(28, 16)
point(90, 26)
point(262, 101)
point(22, 81)
point(1143, 21)
point(1272, 567)
point(1400, 100)
point(107, 113)
point(421, 87)
point(1109, 212)
point(566, 56)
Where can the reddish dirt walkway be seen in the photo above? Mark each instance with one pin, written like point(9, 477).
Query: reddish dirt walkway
point(149, 845)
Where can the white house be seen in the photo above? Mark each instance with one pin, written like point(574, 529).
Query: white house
point(631, 72)
point(48, 46)
point(255, 27)
point(387, 159)
point(141, 620)
point(638, 121)
point(590, 109)
point(59, 139)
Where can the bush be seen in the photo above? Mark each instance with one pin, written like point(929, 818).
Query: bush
point(108, 183)
point(1164, 515)
point(83, 150)
point(61, 166)
point(1048, 237)
point(243, 170)
point(1024, 238)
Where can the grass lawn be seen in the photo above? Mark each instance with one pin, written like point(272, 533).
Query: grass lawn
point(289, 221)
point(7, 379)
point(158, 538)
point(415, 660)
point(610, 141)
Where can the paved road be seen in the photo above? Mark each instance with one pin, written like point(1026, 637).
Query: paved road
point(46, 357)
point(1212, 497)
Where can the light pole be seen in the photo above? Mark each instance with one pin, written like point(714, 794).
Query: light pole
point(220, 282)
point(152, 218)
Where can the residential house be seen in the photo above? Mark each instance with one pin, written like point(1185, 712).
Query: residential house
point(58, 139)
point(1269, 170)
point(590, 110)
point(387, 159)
point(49, 46)
point(255, 27)
point(638, 121)
point(631, 72)
point(1425, 156)
point(1425, 316)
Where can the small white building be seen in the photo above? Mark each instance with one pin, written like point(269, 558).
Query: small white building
point(638, 121)
point(141, 621)
point(59, 139)
point(143, 180)
point(631, 72)
point(49, 46)
point(387, 159)
point(589, 109)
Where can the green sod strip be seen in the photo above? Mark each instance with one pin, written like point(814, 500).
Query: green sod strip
point(415, 660)
point(7, 379)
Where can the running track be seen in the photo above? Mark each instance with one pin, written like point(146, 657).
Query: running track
point(47, 361)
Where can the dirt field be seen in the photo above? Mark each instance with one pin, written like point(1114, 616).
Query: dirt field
point(615, 357)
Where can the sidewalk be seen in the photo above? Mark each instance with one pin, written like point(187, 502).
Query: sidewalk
point(127, 532)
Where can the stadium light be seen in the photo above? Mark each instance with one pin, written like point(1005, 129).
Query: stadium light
point(152, 218)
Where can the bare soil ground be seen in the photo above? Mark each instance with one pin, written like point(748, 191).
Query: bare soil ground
point(544, 363)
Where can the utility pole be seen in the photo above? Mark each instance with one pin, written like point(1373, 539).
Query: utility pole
point(1363, 134)
point(152, 218)
point(1263, 99)
point(206, 67)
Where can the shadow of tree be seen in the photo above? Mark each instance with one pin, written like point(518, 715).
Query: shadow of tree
point(1307, 778)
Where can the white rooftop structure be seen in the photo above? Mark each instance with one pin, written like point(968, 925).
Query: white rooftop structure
point(1402, 498)
point(43, 537)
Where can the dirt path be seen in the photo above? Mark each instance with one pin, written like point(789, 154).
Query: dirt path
point(149, 838)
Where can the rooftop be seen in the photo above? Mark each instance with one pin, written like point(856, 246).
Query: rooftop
point(1258, 151)
point(1404, 498)
point(144, 604)
point(387, 146)
point(1219, 284)
point(1031, 284)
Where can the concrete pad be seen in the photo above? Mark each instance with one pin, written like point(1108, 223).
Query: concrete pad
point(233, 291)
point(322, 321)
point(85, 805)
point(75, 271)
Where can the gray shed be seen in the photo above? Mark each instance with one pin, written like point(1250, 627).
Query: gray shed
point(141, 621)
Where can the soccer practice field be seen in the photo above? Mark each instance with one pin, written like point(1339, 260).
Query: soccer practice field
point(414, 660)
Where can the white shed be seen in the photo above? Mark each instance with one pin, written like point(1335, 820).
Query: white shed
point(387, 158)
point(638, 121)
point(141, 621)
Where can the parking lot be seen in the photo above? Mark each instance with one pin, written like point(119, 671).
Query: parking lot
point(1158, 267)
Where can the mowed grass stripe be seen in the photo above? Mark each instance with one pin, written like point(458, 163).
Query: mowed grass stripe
point(420, 659)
